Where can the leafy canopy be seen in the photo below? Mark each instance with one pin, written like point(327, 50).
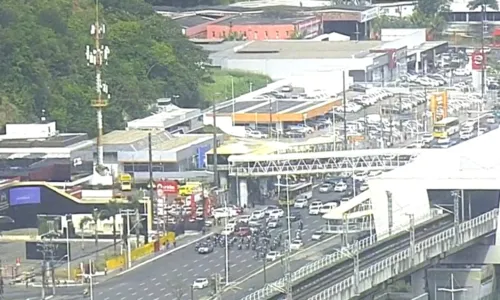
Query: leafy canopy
point(42, 58)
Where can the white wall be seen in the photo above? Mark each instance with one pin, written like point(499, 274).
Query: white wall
point(410, 37)
point(284, 68)
point(408, 197)
point(329, 82)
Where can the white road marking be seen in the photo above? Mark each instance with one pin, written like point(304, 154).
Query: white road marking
point(162, 289)
point(185, 279)
point(122, 298)
point(150, 294)
point(107, 298)
point(153, 279)
point(217, 265)
point(145, 289)
point(211, 261)
point(249, 266)
point(100, 293)
point(244, 261)
point(233, 265)
point(134, 293)
point(196, 261)
point(200, 266)
point(142, 283)
point(185, 266)
point(158, 283)
point(164, 274)
point(174, 270)
point(130, 289)
point(206, 270)
point(190, 270)
point(118, 294)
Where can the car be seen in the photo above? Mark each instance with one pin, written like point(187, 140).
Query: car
point(427, 138)
point(327, 207)
point(243, 231)
point(200, 283)
point(205, 248)
point(296, 245)
point(272, 255)
point(277, 213)
point(258, 215)
point(326, 188)
point(244, 219)
point(315, 207)
point(270, 208)
point(300, 203)
point(274, 223)
point(340, 187)
point(295, 216)
point(227, 231)
point(256, 134)
point(462, 72)
point(317, 235)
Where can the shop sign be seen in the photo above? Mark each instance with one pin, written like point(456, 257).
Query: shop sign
point(166, 187)
point(369, 14)
point(478, 60)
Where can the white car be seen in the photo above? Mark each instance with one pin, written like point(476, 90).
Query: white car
point(363, 187)
point(258, 215)
point(276, 214)
point(427, 138)
point(315, 207)
point(317, 235)
point(340, 187)
point(224, 213)
point(272, 255)
point(273, 223)
point(325, 188)
point(462, 72)
point(244, 219)
point(296, 245)
point(256, 134)
point(300, 203)
point(200, 283)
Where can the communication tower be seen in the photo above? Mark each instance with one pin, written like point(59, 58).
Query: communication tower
point(97, 57)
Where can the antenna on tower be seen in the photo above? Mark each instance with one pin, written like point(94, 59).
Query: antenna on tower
point(97, 56)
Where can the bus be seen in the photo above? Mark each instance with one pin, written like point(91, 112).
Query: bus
point(125, 182)
point(293, 192)
point(446, 127)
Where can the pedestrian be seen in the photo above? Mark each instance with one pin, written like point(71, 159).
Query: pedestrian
point(175, 243)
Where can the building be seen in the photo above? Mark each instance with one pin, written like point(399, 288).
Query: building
point(372, 61)
point(350, 20)
point(169, 117)
point(173, 157)
point(264, 27)
point(38, 152)
point(195, 26)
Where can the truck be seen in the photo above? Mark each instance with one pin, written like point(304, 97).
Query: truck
point(125, 181)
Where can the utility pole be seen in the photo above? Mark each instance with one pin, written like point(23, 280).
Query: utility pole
point(345, 230)
point(47, 249)
point(97, 57)
point(288, 273)
point(483, 61)
point(151, 182)
point(344, 101)
point(216, 171)
point(355, 257)
point(390, 120)
point(389, 211)
point(456, 214)
point(91, 279)
point(412, 238)
point(270, 133)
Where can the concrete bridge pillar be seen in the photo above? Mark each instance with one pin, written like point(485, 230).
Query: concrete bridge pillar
point(223, 180)
point(243, 191)
point(418, 283)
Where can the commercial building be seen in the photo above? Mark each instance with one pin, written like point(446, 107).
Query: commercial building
point(169, 117)
point(40, 152)
point(264, 27)
point(174, 157)
point(375, 61)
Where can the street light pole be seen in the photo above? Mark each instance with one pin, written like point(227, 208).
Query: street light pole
point(67, 246)
point(227, 249)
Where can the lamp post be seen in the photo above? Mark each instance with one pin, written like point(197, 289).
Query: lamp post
point(97, 215)
point(68, 255)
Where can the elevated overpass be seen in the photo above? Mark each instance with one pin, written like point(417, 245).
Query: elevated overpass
point(321, 162)
point(368, 263)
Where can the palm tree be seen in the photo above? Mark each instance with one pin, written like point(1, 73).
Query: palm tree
point(135, 204)
point(83, 222)
point(113, 208)
point(98, 215)
point(473, 4)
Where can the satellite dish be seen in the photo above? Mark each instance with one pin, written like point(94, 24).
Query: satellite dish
point(102, 170)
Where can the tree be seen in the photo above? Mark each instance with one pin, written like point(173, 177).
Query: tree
point(474, 4)
point(45, 69)
point(83, 222)
point(135, 204)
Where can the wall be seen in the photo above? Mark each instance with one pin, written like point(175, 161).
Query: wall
point(410, 37)
point(329, 82)
point(408, 197)
point(284, 68)
point(252, 32)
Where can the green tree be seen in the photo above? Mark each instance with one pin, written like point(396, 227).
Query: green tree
point(112, 209)
point(83, 222)
point(474, 4)
point(45, 69)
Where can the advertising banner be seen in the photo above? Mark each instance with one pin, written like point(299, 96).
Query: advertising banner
point(24, 195)
point(193, 207)
point(166, 187)
point(478, 60)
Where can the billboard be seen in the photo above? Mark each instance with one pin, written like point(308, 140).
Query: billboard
point(201, 153)
point(24, 195)
point(54, 250)
point(478, 59)
point(166, 187)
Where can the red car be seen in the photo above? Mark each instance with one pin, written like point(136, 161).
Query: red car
point(243, 231)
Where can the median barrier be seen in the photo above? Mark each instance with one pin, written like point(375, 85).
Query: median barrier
point(169, 237)
point(115, 263)
point(147, 249)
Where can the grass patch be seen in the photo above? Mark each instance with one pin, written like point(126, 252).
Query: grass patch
point(220, 88)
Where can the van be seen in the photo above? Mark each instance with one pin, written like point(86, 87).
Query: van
point(327, 207)
point(315, 207)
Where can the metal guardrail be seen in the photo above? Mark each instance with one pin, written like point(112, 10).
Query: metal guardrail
point(325, 262)
point(466, 234)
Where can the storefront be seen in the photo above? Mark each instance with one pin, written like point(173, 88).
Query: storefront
point(396, 63)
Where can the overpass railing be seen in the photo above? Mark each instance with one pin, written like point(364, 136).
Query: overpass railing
point(326, 262)
point(406, 260)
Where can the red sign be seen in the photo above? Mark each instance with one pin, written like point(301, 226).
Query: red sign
point(193, 207)
point(478, 60)
point(166, 187)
